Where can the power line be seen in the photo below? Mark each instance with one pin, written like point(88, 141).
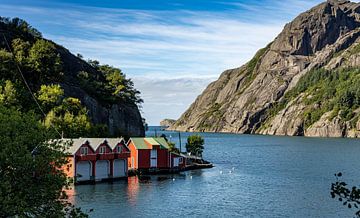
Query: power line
point(27, 85)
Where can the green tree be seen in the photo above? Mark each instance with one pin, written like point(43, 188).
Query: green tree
point(31, 181)
point(21, 50)
point(8, 94)
point(7, 65)
point(45, 60)
point(70, 117)
point(50, 96)
point(348, 197)
point(173, 148)
point(195, 145)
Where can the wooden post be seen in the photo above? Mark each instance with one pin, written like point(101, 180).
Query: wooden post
point(180, 141)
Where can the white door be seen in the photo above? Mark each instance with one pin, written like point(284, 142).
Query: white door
point(176, 162)
point(102, 169)
point(83, 171)
point(119, 168)
point(153, 158)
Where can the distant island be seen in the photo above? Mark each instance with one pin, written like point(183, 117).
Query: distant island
point(167, 122)
point(304, 83)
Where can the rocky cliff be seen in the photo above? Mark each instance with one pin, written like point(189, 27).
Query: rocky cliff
point(23, 45)
point(259, 96)
point(122, 118)
point(167, 122)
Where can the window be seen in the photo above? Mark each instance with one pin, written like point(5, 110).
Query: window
point(119, 149)
point(102, 149)
point(180, 160)
point(84, 151)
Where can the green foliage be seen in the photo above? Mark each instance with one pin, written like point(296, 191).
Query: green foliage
point(67, 115)
point(348, 197)
point(8, 94)
point(70, 117)
point(21, 50)
point(7, 65)
point(44, 59)
point(195, 145)
point(337, 91)
point(20, 27)
point(113, 88)
point(173, 148)
point(254, 61)
point(31, 181)
point(41, 63)
point(50, 96)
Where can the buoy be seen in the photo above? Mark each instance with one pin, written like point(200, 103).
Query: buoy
point(230, 172)
point(190, 177)
point(220, 171)
point(173, 179)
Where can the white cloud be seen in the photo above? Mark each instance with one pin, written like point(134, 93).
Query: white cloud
point(171, 55)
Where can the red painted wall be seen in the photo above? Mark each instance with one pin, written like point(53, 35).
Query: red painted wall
point(108, 149)
point(123, 148)
point(163, 158)
point(144, 159)
point(90, 150)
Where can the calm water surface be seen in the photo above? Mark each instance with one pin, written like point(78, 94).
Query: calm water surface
point(255, 176)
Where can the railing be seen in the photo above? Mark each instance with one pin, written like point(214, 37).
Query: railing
point(105, 156)
point(89, 157)
point(122, 155)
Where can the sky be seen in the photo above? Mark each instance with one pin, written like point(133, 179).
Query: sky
point(171, 49)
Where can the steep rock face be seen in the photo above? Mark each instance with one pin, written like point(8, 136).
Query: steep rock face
point(326, 128)
point(240, 99)
point(120, 118)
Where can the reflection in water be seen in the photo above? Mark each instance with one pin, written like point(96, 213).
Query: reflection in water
point(71, 194)
point(253, 176)
point(133, 189)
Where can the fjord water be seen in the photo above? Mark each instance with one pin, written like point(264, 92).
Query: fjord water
point(254, 176)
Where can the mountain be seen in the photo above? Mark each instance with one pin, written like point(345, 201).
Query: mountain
point(167, 122)
point(81, 98)
point(305, 82)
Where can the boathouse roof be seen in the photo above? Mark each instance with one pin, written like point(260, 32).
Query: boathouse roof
point(94, 143)
point(144, 143)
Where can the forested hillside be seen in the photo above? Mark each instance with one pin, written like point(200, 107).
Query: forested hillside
point(79, 98)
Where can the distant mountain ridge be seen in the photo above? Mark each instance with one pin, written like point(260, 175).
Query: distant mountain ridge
point(167, 122)
point(303, 83)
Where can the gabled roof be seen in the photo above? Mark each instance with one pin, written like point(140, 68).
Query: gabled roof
point(144, 143)
point(162, 142)
point(113, 142)
point(151, 141)
point(95, 142)
point(76, 144)
point(140, 143)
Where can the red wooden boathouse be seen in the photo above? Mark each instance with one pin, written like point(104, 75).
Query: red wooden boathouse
point(95, 159)
point(152, 154)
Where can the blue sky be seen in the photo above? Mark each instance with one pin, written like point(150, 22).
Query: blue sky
point(172, 49)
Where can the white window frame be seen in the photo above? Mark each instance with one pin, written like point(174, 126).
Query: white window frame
point(102, 149)
point(84, 150)
point(180, 160)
